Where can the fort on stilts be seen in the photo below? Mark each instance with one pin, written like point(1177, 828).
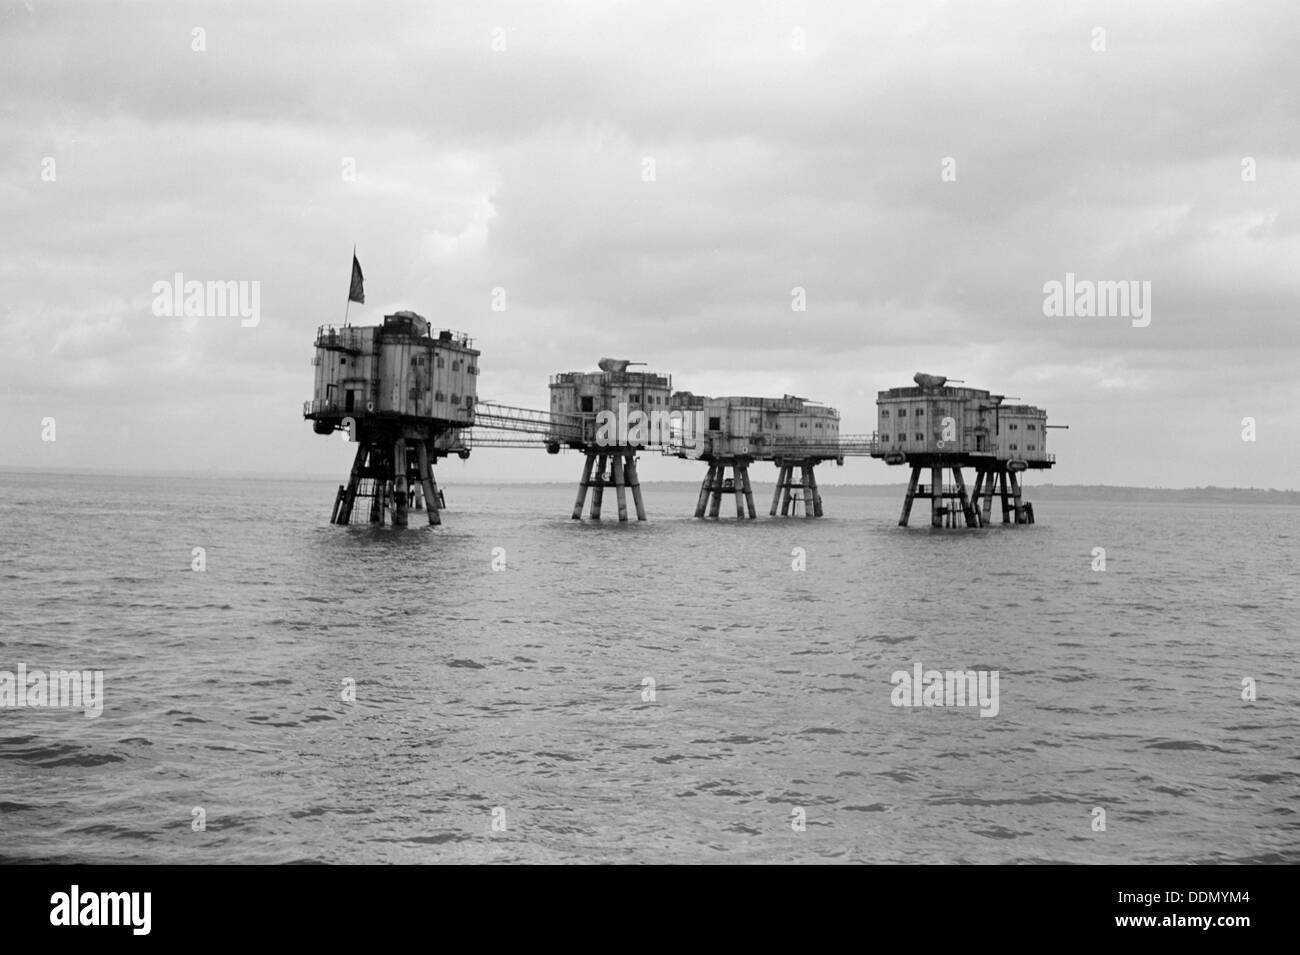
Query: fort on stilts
point(407, 395)
point(789, 431)
point(603, 402)
point(937, 427)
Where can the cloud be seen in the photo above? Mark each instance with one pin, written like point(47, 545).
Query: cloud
point(792, 147)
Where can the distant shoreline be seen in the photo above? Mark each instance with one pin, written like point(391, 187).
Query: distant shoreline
point(1047, 492)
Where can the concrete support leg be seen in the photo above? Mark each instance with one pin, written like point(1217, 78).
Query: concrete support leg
point(715, 492)
point(436, 504)
point(620, 490)
point(634, 482)
point(598, 489)
point(705, 489)
point(738, 489)
point(966, 509)
point(936, 497)
point(776, 494)
point(401, 493)
point(786, 481)
point(749, 491)
point(816, 494)
point(583, 483)
point(428, 485)
point(911, 496)
point(378, 469)
point(377, 500)
point(354, 483)
point(1015, 495)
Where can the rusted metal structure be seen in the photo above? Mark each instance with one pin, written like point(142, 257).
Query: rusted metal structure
point(939, 427)
point(609, 415)
point(407, 395)
point(404, 393)
point(735, 431)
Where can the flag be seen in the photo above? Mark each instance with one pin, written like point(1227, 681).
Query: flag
point(357, 293)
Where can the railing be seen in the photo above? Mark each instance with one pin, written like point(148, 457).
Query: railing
point(458, 338)
point(347, 338)
point(477, 438)
point(555, 425)
point(650, 379)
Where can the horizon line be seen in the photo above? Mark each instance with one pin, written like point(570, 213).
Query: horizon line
point(333, 478)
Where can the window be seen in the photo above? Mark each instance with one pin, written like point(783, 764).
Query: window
point(902, 412)
point(636, 399)
point(1032, 447)
point(439, 396)
point(1031, 427)
point(1013, 447)
point(455, 399)
point(803, 424)
point(715, 424)
point(1012, 427)
point(919, 412)
point(469, 401)
point(439, 361)
point(587, 403)
point(884, 412)
point(919, 436)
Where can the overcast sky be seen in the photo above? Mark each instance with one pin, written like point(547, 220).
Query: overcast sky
point(794, 145)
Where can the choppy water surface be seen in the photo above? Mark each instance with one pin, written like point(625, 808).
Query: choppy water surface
point(523, 688)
